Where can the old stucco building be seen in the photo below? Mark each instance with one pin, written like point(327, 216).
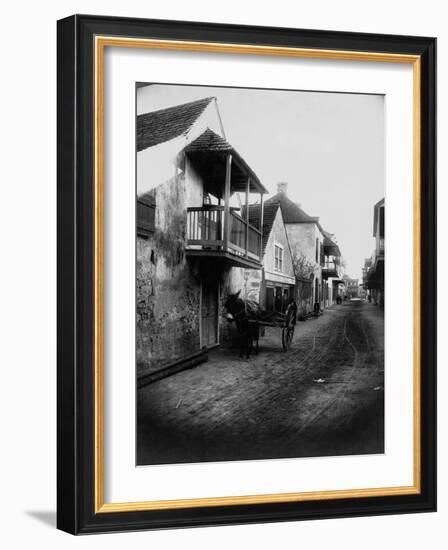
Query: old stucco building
point(373, 272)
point(192, 242)
point(306, 241)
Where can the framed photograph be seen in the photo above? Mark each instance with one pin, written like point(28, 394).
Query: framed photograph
point(246, 274)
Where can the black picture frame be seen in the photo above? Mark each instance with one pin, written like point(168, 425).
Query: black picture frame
point(76, 512)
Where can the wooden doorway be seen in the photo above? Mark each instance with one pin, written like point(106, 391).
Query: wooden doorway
point(209, 313)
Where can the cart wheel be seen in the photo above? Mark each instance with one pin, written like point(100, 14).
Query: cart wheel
point(290, 325)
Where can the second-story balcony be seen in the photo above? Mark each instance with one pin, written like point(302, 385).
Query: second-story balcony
point(330, 268)
point(218, 231)
point(213, 232)
point(331, 257)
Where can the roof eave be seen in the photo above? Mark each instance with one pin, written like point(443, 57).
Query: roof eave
point(244, 167)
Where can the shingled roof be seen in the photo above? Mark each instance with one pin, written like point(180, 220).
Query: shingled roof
point(159, 126)
point(291, 212)
point(269, 214)
point(330, 244)
point(210, 142)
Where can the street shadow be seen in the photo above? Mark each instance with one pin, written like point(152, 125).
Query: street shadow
point(47, 517)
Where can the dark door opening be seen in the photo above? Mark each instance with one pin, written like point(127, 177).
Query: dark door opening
point(209, 313)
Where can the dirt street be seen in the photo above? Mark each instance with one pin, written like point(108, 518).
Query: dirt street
point(323, 397)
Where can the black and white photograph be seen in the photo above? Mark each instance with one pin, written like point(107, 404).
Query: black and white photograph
point(260, 245)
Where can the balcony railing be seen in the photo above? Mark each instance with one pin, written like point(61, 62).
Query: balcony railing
point(330, 264)
point(205, 225)
point(205, 230)
point(330, 268)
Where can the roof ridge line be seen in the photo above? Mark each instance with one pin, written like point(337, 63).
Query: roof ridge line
point(162, 125)
point(208, 99)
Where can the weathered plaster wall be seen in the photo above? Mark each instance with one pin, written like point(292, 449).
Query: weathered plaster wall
point(194, 189)
point(302, 239)
point(168, 287)
point(304, 297)
point(252, 285)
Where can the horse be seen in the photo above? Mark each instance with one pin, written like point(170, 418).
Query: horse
point(244, 311)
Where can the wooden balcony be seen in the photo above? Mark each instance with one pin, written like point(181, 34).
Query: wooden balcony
point(216, 232)
point(330, 268)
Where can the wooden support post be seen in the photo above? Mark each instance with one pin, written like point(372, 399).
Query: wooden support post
point(261, 225)
point(219, 223)
point(227, 202)
point(247, 216)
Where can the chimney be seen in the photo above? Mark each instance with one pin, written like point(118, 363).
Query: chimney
point(282, 187)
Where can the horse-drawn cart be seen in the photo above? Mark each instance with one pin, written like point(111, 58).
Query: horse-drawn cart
point(249, 317)
point(286, 321)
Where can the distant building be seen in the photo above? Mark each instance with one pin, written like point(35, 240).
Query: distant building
point(351, 287)
point(316, 255)
point(362, 293)
point(373, 272)
point(332, 268)
point(306, 240)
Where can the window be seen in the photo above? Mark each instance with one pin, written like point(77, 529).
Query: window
point(146, 208)
point(317, 251)
point(278, 258)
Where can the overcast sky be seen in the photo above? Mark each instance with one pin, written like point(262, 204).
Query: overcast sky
point(329, 147)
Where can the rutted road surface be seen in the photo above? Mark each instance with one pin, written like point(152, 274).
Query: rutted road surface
point(323, 397)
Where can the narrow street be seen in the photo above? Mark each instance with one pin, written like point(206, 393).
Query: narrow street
point(325, 396)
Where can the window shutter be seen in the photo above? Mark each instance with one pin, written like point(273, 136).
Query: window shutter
point(146, 210)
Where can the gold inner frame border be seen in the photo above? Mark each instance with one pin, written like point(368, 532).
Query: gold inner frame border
point(101, 42)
